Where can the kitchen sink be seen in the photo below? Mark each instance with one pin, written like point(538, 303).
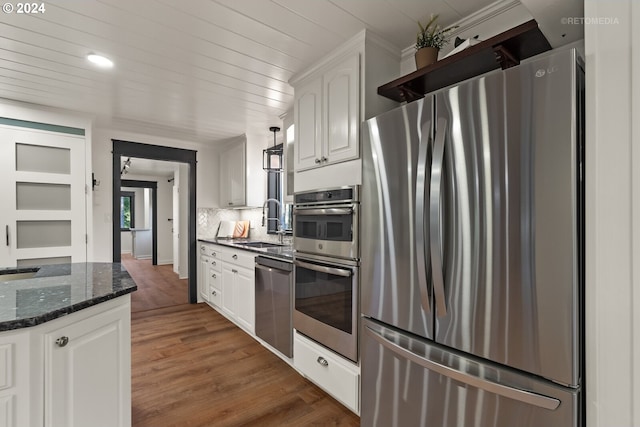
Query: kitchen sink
point(261, 245)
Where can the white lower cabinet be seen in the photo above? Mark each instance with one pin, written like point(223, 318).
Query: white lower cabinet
point(245, 302)
point(337, 376)
point(231, 283)
point(209, 288)
point(73, 371)
point(228, 290)
point(88, 370)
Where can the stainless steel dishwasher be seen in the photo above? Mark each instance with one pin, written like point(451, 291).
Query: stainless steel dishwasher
point(274, 303)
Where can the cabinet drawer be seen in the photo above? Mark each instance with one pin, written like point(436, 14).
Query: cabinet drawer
point(240, 258)
point(210, 250)
point(338, 377)
point(215, 278)
point(215, 296)
point(215, 264)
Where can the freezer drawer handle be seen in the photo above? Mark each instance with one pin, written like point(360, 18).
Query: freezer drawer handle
point(422, 250)
point(489, 386)
point(434, 218)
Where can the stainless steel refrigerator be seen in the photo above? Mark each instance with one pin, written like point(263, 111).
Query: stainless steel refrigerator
point(472, 253)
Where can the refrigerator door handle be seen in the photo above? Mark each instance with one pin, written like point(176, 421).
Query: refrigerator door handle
point(422, 250)
point(524, 396)
point(434, 218)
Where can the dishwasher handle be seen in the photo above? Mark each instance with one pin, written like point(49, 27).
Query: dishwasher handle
point(274, 263)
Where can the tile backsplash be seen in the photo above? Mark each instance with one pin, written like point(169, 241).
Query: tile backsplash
point(209, 220)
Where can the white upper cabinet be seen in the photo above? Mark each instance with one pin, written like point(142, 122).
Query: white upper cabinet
point(232, 176)
point(331, 100)
point(308, 119)
point(340, 91)
point(326, 116)
point(242, 179)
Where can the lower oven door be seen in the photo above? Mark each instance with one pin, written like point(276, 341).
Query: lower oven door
point(326, 304)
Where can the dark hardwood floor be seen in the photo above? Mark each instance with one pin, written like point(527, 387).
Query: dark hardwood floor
point(193, 367)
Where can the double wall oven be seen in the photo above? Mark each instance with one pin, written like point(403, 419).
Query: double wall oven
point(326, 264)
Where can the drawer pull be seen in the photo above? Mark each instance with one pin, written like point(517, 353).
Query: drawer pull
point(62, 341)
point(214, 276)
point(214, 293)
point(321, 360)
point(234, 256)
point(234, 271)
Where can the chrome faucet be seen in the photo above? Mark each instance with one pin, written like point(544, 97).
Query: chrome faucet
point(279, 231)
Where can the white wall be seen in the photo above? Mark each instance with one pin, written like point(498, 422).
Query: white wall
point(613, 206)
point(206, 193)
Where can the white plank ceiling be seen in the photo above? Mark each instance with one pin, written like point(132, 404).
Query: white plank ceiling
point(199, 70)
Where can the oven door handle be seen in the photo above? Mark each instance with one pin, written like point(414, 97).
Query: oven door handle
point(322, 269)
point(323, 211)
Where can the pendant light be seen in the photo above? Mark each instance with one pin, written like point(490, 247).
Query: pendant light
point(272, 156)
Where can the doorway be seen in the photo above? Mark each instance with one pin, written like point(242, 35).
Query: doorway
point(126, 149)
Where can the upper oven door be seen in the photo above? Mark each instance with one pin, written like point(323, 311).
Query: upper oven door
point(327, 230)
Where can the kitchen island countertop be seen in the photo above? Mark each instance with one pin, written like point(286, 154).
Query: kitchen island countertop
point(57, 290)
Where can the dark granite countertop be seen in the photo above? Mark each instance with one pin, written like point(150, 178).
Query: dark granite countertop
point(284, 252)
point(57, 290)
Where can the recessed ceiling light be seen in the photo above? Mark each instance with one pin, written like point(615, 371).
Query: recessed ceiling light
point(100, 61)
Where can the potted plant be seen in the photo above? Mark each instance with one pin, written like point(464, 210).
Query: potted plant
point(429, 41)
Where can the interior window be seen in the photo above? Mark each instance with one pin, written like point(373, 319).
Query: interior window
point(127, 210)
point(275, 191)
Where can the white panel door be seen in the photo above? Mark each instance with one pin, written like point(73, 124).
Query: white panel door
point(42, 180)
point(307, 117)
point(341, 125)
point(245, 287)
point(88, 372)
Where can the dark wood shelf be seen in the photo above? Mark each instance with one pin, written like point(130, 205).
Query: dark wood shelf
point(502, 51)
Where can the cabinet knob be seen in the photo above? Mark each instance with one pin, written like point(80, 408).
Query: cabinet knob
point(202, 248)
point(206, 260)
point(213, 263)
point(230, 203)
point(324, 159)
point(321, 360)
point(213, 254)
point(317, 161)
point(234, 256)
point(234, 271)
point(213, 275)
point(62, 341)
point(214, 293)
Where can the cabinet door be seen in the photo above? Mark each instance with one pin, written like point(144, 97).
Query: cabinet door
point(245, 287)
point(88, 372)
point(43, 188)
point(203, 277)
point(341, 92)
point(232, 176)
point(307, 118)
point(228, 289)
